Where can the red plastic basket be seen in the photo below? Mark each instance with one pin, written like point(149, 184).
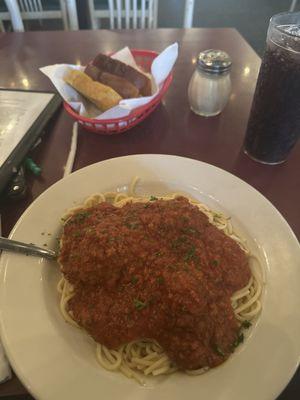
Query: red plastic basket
point(144, 59)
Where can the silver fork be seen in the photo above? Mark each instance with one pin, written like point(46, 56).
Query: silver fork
point(24, 248)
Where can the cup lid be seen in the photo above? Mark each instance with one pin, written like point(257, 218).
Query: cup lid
point(215, 61)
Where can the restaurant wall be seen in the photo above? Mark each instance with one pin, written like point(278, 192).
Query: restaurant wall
point(249, 17)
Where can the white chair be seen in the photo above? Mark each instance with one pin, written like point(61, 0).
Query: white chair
point(127, 14)
point(33, 9)
point(293, 5)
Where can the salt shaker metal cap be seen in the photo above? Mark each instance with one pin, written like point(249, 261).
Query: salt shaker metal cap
point(214, 61)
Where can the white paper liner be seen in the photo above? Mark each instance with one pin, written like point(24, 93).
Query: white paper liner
point(160, 69)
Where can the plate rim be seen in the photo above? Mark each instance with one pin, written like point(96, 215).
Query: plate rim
point(95, 165)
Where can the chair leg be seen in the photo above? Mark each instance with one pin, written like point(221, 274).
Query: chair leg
point(72, 13)
point(2, 27)
point(188, 13)
point(155, 13)
point(112, 14)
point(293, 5)
point(15, 15)
point(64, 15)
point(92, 14)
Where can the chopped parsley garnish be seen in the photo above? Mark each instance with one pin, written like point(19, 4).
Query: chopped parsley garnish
point(120, 288)
point(214, 263)
point(189, 230)
point(218, 351)
point(177, 242)
point(246, 324)
point(190, 254)
point(74, 256)
point(81, 216)
point(218, 215)
point(129, 316)
point(158, 254)
point(139, 305)
point(134, 280)
point(183, 308)
point(153, 198)
point(160, 279)
point(238, 340)
point(146, 205)
point(132, 225)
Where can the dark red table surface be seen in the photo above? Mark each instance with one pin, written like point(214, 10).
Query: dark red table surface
point(171, 129)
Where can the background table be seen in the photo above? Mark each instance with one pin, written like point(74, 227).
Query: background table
point(171, 129)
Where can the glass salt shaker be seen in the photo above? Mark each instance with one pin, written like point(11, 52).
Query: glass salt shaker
point(210, 85)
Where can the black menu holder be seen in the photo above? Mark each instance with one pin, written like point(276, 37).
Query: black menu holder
point(23, 118)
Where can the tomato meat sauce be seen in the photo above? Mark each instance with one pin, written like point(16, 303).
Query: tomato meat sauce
point(156, 270)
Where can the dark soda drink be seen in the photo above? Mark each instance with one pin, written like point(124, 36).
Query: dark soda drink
point(274, 122)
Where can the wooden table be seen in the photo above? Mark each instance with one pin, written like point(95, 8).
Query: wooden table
point(171, 129)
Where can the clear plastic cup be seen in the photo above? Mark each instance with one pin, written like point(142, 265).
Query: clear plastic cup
point(274, 122)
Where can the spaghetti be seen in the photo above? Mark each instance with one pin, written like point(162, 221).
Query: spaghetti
point(147, 357)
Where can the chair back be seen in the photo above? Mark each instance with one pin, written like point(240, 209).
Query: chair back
point(132, 14)
point(20, 10)
point(30, 5)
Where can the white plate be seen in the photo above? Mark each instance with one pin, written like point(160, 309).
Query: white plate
point(56, 361)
